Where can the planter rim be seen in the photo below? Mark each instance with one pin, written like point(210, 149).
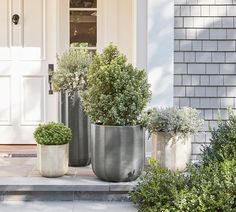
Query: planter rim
point(52, 144)
point(176, 134)
point(111, 126)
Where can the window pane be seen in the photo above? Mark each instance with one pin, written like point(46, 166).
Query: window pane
point(83, 3)
point(83, 28)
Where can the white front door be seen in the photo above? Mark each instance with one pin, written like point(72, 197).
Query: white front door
point(26, 49)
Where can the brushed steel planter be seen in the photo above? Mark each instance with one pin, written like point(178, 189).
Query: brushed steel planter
point(117, 152)
point(173, 153)
point(52, 160)
point(73, 115)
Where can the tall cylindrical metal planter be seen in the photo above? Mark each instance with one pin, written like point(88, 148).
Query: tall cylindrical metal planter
point(73, 115)
point(117, 152)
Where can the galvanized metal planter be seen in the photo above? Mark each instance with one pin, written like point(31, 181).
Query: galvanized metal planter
point(117, 152)
point(173, 153)
point(52, 160)
point(73, 115)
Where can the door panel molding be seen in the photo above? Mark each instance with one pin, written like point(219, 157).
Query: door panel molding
point(5, 96)
point(36, 22)
point(5, 27)
point(32, 100)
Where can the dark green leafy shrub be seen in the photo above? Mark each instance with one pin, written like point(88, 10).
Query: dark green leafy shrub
point(159, 189)
point(223, 142)
point(117, 92)
point(52, 134)
point(209, 188)
point(213, 187)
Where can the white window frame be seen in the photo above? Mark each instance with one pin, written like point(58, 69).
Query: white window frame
point(139, 10)
point(82, 9)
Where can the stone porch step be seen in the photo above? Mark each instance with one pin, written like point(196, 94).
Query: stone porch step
point(20, 180)
point(64, 188)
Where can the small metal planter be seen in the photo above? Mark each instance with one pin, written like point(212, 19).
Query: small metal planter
point(117, 152)
point(73, 115)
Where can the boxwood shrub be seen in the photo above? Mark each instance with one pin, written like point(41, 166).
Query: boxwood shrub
point(52, 134)
point(210, 187)
point(117, 92)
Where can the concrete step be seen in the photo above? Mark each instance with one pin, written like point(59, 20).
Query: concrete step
point(65, 188)
point(66, 206)
point(21, 180)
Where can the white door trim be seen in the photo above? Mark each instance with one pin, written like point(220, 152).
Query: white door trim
point(161, 51)
point(63, 25)
point(140, 33)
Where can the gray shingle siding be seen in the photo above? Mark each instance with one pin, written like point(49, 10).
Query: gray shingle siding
point(205, 61)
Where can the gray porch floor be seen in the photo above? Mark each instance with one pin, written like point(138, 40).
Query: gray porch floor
point(20, 180)
point(26, 167)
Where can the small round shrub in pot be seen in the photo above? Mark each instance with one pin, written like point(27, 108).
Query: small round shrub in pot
point(116, 96)
point(171, 130)
point(52, 148)
point(69, 79)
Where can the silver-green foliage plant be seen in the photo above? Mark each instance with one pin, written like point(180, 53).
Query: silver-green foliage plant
point(117, 92)
point(52, 134)
point(72, 68)
point(175, 121)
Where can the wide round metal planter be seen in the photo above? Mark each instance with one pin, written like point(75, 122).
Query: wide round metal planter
point(52, 160)
point(73, 115)
point(117, 152)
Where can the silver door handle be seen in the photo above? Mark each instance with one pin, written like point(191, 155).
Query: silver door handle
point(50, 73)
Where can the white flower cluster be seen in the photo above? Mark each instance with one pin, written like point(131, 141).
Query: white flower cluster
point(72, 68)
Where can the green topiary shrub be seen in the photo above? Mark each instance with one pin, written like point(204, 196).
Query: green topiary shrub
point(52, 134)
point(159, 189)
point(117, 92)
point(72, 68)
point(211, 187)
point(206, 189)
point(223, 142)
